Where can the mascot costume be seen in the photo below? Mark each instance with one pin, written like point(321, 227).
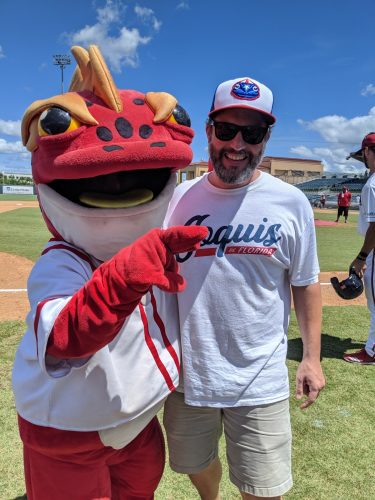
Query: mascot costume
point(101, 351)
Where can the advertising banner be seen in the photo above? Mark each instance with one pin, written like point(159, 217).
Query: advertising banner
point(18, 190)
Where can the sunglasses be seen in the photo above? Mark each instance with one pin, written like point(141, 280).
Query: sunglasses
point(251, 134)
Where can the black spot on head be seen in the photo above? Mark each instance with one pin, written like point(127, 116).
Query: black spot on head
point(89, 103)
point(138, 101)
point(145, 131)
point(104, 134)
point(157, 145)
point(112, 148)
point(124, 127)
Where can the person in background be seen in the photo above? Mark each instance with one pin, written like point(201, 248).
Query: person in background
point(343, 203)
point(322, 201)
point(364, 263)
point(234, 313)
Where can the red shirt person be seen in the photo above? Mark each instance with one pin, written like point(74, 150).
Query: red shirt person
point(343, 203)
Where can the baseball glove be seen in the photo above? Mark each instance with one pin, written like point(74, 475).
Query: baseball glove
point(349, 288)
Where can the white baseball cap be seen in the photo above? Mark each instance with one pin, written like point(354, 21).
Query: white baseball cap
point(243, 93)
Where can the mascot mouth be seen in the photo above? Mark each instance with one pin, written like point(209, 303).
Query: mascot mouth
point(117, 190)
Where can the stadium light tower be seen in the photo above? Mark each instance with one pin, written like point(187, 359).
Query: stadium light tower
point(61, 60)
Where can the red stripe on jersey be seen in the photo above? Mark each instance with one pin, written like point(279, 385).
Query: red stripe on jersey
point(154, 351)
point(82, 255)
point(165, 338)
point(203, 252)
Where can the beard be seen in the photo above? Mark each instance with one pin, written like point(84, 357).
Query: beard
point(234, 174)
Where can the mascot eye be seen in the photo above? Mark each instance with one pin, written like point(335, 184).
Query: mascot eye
point(180, 116)
point(55, 121)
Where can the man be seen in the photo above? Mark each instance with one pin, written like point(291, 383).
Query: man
point(322, 200)
point(343, 203)
point(234, 313)
point(364, 262)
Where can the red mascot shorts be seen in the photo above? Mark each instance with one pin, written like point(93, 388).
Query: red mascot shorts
point(64, 465)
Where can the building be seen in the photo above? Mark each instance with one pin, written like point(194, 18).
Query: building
point(291, 170)
point(194, 170)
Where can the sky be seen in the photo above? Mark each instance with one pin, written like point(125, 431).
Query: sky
point(316, 56)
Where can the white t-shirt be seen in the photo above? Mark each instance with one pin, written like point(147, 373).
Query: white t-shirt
point(367, 207)
point(234, 313)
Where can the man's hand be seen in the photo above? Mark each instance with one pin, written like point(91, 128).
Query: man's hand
point(309, 382)
point(359, 267)
point(308, 306)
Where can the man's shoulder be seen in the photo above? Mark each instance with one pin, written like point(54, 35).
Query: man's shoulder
point(370, 181)
point(185, 186)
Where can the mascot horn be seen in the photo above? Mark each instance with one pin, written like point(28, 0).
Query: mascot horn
point(101, 350)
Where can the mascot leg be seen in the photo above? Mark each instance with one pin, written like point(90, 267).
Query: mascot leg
point(138, 475)
point(76, 466)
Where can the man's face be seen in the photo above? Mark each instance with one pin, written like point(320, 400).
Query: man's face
point(370, 158)
point(234, 161)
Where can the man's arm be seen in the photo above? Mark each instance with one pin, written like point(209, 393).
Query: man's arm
point(308, 306)
point(359, 263)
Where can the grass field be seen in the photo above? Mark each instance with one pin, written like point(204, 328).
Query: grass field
point(23, 232)
point(333, 455)
point(18, 197)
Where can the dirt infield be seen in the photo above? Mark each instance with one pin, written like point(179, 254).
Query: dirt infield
point(7, 206)
point(14, 304)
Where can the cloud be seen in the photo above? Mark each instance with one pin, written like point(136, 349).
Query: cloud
point(341, 130)
point(11, 147)
point(342, 135)
point(10, 127)
point(334, 159)
point(13, 154)
point(183, 6)
point(1, 52)
point(147, 16)
point(368, 90)
point(302, 151)
point(120, 49)
point(14, 157)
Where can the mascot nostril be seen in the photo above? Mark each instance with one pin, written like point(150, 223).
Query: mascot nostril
point(101, 351)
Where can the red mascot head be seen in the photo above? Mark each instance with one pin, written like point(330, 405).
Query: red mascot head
point(103, 159)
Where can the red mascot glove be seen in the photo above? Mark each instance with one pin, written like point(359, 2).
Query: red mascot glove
point(150, 260)
point(96, 312)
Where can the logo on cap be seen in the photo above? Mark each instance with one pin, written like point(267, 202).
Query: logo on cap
point(245, 89)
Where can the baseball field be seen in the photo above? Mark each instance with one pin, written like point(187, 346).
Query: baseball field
point(333, 453)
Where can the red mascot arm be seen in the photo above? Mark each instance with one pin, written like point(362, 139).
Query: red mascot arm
point(96, 312)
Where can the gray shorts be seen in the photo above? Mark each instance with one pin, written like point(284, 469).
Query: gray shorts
point(258, 442)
